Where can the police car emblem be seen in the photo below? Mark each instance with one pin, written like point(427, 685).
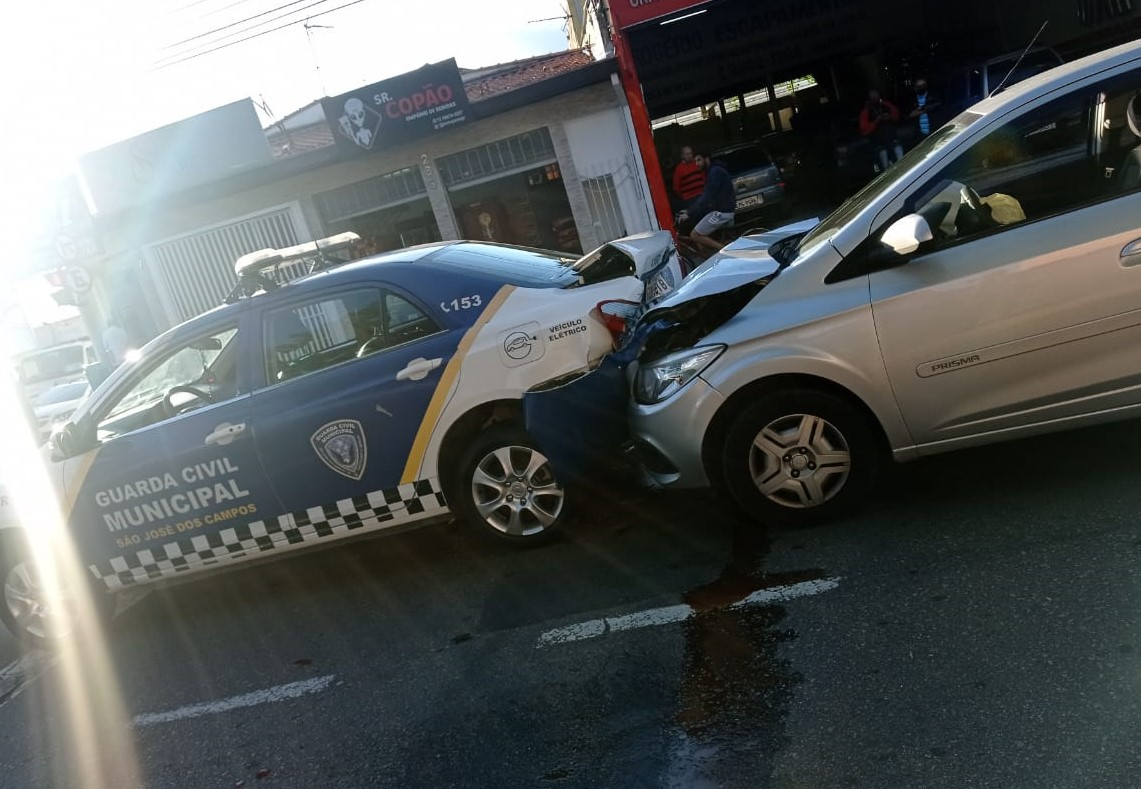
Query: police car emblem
point(341, 446)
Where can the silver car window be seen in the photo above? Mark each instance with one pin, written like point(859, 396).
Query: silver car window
point(1036, 165)
point(883, 182)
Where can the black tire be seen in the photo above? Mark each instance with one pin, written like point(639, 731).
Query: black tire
point(18, 578)
point(802, 426)
point(503, 501)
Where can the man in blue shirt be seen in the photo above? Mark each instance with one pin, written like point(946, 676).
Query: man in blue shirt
point(922, 107)
point(715, 205)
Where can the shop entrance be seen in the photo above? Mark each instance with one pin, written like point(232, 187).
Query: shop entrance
point(529, 209)
point(792, 76)
point(389, 211)
point(394, 227)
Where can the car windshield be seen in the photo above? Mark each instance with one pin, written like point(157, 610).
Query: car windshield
point(883, 182)
point(62, 393)
point(190, 365)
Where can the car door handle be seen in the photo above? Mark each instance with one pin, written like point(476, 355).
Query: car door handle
point(225, 433)
point(418, 368)
point(1131, 253)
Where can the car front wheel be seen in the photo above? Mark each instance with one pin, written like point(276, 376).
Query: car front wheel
point(37, 617)
point(799, 457)
point(508, 487)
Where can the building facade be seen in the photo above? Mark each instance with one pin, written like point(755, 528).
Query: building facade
point(544, 157)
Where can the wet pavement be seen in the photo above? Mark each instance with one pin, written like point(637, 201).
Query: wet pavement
point(978, 625)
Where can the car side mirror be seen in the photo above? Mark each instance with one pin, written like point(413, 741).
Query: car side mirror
point(72, 440)
point(904, 235)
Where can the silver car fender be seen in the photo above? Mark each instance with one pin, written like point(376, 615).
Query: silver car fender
point(790, 329)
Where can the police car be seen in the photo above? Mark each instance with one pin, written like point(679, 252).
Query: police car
point(356, 397)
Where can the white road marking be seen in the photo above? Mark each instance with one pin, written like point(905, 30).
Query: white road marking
point(676, 613)
point(280, 693)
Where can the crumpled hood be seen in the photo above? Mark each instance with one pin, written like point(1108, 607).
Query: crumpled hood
point(740, 262)
point(718, 276)
point(762, 241)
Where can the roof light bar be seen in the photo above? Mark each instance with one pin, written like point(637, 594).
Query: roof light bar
point(254, 262)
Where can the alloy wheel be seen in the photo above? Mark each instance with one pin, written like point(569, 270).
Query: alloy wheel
point(515, 491)
point(27, 601)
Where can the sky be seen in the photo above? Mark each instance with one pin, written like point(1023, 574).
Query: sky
point(83, 74)
point(89, 75)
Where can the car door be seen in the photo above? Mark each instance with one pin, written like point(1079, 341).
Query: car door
point(1024, 311)
point(173, 481)
point(349, 375)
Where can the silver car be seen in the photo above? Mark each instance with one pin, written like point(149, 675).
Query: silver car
point(985, 288)
point(757, 180)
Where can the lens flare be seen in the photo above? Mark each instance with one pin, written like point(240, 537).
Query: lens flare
point(49, 596)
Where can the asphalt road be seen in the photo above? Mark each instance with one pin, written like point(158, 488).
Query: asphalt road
point(979, 625)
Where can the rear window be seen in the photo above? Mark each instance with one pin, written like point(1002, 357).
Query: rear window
point(743, 159)
point(532, 268)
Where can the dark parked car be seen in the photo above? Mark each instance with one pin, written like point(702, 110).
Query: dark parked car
point(757, 179)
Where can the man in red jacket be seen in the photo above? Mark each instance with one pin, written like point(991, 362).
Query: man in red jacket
point(878, 120)
point(689, 178)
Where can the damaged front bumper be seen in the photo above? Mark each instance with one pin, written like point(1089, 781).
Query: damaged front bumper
point(592, 433)
point(666, 438)
point(581, 424)
point(590, 428)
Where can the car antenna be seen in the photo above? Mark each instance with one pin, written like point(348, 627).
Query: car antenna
point(1002, 84)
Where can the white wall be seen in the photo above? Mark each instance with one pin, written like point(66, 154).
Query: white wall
point(601, 146)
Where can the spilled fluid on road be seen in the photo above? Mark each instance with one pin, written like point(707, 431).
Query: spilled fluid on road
point(735, 689)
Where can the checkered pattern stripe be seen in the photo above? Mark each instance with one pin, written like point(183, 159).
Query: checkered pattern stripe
point(369, 511)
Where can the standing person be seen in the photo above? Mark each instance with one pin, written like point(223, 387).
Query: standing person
point(715, 206)
point(115, 342)
point(922, 106)
point(878, 121)
point(689, 178)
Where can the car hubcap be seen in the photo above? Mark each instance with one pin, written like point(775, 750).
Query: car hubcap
point(516, 492)
point(28, 604)
point(799, 461)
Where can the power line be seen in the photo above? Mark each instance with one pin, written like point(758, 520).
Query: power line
point(160, 66)
point(189, 5)
point(220, 9)
point(251, 28)
point(248, 19)
point(205, 13)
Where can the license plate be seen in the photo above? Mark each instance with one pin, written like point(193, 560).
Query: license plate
point(660, 285)
point(750, 201)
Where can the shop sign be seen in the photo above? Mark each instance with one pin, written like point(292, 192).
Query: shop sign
point(738, 46)
point(633, 12)
point(398, 110)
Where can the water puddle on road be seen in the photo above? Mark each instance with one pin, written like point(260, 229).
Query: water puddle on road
point(735, 690)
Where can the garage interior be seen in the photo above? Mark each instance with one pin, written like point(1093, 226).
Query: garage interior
point(794, 74)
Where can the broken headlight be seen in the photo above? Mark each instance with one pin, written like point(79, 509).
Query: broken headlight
point(663, 378)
